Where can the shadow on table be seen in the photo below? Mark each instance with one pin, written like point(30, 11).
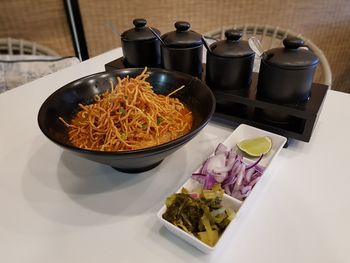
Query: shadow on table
point(95, 187)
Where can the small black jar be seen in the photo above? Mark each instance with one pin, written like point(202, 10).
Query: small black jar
point(286, 74)
point(183, 50)
point(140, 46)
point(230, 63)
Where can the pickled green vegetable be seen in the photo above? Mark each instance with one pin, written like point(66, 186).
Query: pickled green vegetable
point(199, 213)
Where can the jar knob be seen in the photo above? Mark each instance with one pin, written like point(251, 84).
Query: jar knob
point(293, 42)
point(182, 26)
point(139, 22)
point(233, 34)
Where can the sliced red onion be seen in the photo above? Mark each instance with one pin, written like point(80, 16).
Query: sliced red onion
point(199, 177)
point(209, 182)
point(259, 168)
point(229, 181)
point(255, 175)
point(221, 148)
point(212, 162)
point(248, 175)
point(220, 177)
point(204, 168)
point(246, 189)
point(227, 189)
point(252, 183)
point(223, 169)
point(231, 155)
point(240, 177)
point(227, 168)
point(246, 194)
point(255, 163)
point(235, 168)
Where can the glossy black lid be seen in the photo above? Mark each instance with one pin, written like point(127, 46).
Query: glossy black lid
point(233, 46)
point(182, 37)
point(292, 55)
point(139, 32)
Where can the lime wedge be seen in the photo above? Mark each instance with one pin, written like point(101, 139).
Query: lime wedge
point(256, 146)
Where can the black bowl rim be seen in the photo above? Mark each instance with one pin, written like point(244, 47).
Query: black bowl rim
point(146, 151)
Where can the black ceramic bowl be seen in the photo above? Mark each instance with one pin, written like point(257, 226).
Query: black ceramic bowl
point(64, 103)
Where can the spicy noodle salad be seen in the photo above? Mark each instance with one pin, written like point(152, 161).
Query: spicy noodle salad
point(130, 116)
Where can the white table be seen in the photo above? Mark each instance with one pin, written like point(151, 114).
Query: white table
point(56, 207)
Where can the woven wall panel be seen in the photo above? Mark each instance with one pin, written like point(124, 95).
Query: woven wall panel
point(39, 21)
point(325, 22)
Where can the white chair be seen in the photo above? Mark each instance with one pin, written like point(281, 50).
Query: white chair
point(272, 36)
point(22, 61)
point(11, 46)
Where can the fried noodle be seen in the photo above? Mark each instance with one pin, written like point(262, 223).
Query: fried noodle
point(128, 117)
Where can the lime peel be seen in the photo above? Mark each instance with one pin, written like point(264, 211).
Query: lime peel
point(256, 146)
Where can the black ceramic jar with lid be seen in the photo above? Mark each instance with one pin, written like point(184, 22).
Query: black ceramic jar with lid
point(183, 50)
point(286, 74)
point(230, 63)
point(140, 46)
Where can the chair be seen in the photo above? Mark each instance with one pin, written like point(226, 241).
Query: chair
point(11, 46)
point(272, 36)
point(22, 61)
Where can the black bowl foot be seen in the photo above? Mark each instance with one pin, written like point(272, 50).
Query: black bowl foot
point(137, 170)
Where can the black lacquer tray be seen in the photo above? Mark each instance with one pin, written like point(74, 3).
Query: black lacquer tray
point(243, 106)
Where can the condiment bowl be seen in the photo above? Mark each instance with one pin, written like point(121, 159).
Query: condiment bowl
point(64, 103)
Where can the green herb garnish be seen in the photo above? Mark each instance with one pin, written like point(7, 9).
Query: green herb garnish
point(159, 120)
point(122, 110)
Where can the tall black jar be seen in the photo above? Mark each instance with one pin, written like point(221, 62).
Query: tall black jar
point(183, 50)
point(230, 63)
point(286, 74)
point(140, 46)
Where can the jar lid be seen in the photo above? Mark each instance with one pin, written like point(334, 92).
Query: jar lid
point(139, 32)
point(292, 55)
point(182, 37)
point(233, 46)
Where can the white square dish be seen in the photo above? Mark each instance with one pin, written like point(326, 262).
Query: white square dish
point(242, 132)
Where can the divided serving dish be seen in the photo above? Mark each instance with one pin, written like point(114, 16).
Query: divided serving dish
point(242, 132)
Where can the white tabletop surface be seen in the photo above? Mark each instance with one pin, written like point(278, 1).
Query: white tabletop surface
point(56, 207)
